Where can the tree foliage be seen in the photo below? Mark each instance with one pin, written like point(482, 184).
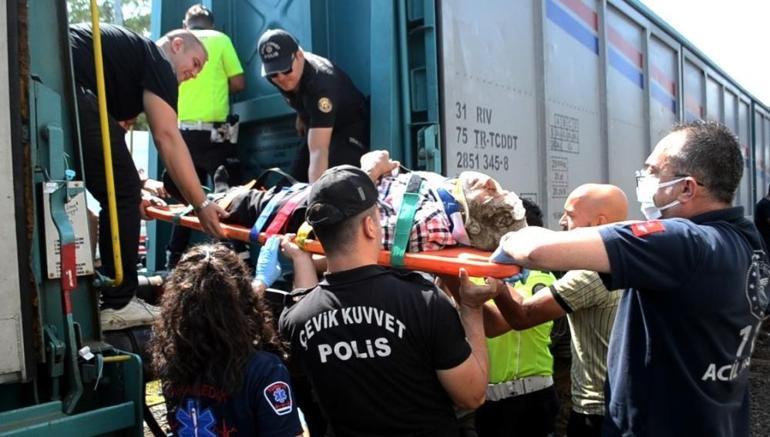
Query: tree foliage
point(136, 13)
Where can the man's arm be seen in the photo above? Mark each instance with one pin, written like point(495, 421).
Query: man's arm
point(466, 383)
point(522, 313)
point(318, 141)
point(542, 249)
point(176, 157)
point(236, 83)
point(494, 322)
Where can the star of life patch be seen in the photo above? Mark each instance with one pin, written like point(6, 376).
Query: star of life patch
point(646, 228)
point(324, 105)
point(278, 396)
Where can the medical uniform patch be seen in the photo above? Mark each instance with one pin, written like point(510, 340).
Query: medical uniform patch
point(278, 395)
point(647, 228)
point(194, 422)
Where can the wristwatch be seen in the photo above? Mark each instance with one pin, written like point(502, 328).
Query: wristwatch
point(203, 204)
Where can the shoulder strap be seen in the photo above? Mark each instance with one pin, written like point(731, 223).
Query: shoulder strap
point(278, 223)
point(265, 214)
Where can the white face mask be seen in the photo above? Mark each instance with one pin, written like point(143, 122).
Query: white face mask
point(646, 187)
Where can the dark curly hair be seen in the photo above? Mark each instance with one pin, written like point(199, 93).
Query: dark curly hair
point(211, 321)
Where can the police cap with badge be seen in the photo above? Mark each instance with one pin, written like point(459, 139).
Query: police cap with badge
point(276, 49)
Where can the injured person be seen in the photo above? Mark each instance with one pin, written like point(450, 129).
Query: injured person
point(471, 210)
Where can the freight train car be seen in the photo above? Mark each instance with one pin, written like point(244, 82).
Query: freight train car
point(544, 95)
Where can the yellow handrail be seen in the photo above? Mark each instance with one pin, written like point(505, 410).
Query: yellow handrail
point(112, 207)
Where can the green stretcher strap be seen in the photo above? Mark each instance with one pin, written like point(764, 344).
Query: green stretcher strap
point(405, 220)
point(182, 213)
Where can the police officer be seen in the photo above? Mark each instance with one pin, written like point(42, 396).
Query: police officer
point(385, 350)
point(332, 114)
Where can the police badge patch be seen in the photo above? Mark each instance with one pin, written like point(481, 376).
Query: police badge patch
point(270, 50)
point(324, 105)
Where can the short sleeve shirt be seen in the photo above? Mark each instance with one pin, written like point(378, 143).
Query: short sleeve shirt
point(679, 355)
point(132, 64)
point(264, 407)
point(207, 96)
point(590, 311)
point(371, 340)
point(326, 96)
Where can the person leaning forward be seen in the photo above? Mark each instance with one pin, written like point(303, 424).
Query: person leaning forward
point(140, 76)
point(696, 289)
point(332, 114)
point(385, 350)
point(204, 106)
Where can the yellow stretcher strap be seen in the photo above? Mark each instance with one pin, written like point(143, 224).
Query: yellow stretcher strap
point(302, 235)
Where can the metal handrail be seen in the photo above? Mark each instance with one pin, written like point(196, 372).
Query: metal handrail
point(112, 208)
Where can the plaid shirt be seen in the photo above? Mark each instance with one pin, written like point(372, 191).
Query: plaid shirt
point(432, 229)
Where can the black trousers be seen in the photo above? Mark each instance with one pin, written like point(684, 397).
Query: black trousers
point(584, 425)
point(346, 147)
point(529, 415)
point(206, 157)
point(127, 193)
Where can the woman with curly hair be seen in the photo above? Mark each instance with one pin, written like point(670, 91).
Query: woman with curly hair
point(217, 353)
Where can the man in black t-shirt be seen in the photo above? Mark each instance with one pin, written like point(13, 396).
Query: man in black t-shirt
point(139, 76)
point(385, 350)
point(762, 218)
point(331, 112)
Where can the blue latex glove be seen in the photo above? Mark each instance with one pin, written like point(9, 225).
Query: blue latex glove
point(268, 268)
point(501, 257)
point(522, 276)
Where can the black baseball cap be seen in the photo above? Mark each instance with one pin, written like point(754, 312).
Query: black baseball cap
point(276, 47)
point(340, 193)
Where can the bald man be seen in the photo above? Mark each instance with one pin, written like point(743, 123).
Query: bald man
point(589, 306)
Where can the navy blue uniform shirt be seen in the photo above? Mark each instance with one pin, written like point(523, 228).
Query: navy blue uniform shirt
point(679, 353)
point(326, 96)
point(264, 406)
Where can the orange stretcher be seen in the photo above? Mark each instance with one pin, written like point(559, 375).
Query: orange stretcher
point(445, 261)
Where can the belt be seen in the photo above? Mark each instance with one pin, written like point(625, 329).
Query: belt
point(517, 387)
point(198, 125)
